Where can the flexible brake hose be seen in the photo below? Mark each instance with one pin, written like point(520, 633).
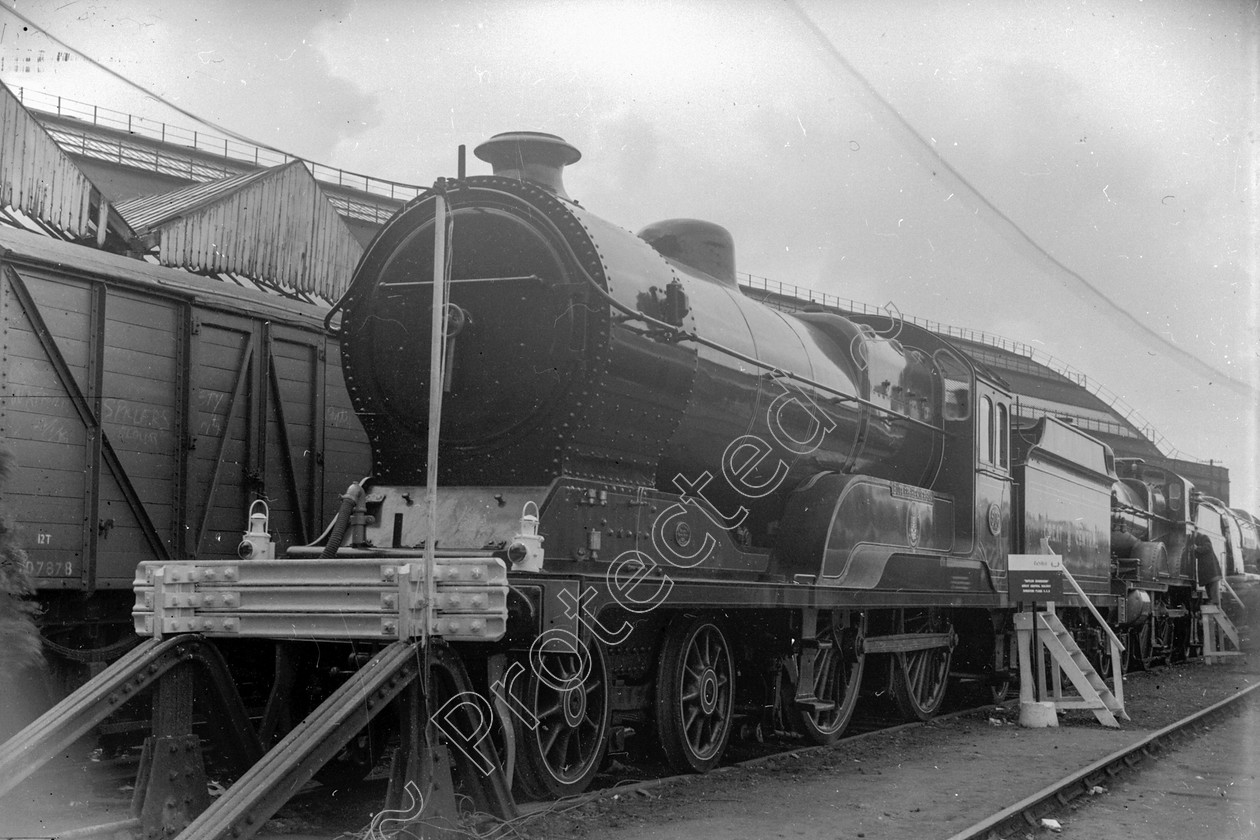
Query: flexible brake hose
point(353, 495)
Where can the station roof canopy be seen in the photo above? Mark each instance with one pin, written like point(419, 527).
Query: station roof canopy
point(275, 225)
point(40, 181)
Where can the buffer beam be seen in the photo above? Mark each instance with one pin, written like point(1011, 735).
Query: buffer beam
point(373, 598)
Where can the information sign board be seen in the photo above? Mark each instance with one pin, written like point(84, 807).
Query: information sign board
point(1034, 577)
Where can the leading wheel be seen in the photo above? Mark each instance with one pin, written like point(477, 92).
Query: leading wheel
point(838, 667)
point(695, 695)
point(919, 677)
point(568, 694)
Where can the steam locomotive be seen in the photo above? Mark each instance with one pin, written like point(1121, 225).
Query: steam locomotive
point(711, 510)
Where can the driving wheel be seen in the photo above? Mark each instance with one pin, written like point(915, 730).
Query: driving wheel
point(695, 695)
point(919, 677)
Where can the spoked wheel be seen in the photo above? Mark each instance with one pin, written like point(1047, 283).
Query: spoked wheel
point(998, 677)
point(1000, 692)
point(1143, 644)
point(919, 677)
point(1164, 638)
point(1102, 663)
point(1194, 632)
point(568, 694)
point(695, 695)
point(838, 667)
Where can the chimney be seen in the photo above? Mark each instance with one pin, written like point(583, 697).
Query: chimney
point(530, 156)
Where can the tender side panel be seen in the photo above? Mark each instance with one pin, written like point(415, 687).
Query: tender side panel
point(1064, 482)
point(1071, 510)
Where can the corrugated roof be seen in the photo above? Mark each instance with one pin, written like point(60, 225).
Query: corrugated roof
point(276, 225)
point(149, 211)
point(39, 179)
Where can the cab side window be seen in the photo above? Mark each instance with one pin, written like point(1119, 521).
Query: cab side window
point(956, 376)
point(985, 429)
point(1003, 437)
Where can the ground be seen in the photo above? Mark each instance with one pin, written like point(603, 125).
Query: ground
point(1208, 787)
point(923, 781)
point(929, 781)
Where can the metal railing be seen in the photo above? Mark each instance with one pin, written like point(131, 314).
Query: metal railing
point(218, 157)
point(1034, 408)
point(1111, 398)
point(223, 157)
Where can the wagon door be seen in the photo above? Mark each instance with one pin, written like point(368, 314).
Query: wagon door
point(294, 473)
point(257, 426)
point(143, 381)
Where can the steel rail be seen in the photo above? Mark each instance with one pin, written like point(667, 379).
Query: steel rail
point(1025, 813)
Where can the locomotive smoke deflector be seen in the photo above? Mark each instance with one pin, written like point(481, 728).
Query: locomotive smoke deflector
point(530, 156)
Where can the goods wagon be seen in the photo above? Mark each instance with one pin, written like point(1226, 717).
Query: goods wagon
point(147, 409)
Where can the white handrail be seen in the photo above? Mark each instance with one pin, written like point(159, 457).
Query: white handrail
point(1225, 585)
point(1046, 549)
point(1093, 610)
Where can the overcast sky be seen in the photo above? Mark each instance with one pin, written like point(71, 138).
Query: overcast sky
point(1005, 166)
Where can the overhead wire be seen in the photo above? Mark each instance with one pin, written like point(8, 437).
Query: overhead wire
point(997, 219)
point(1007, 227)
point(130, 83)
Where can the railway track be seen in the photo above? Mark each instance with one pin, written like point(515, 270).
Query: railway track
point(817, 790)
point(311, 807)
point(105, 775)
point(1028, 812)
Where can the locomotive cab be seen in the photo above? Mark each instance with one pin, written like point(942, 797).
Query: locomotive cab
point(1149, 527)
point(1249, 528)
point(993, 486)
